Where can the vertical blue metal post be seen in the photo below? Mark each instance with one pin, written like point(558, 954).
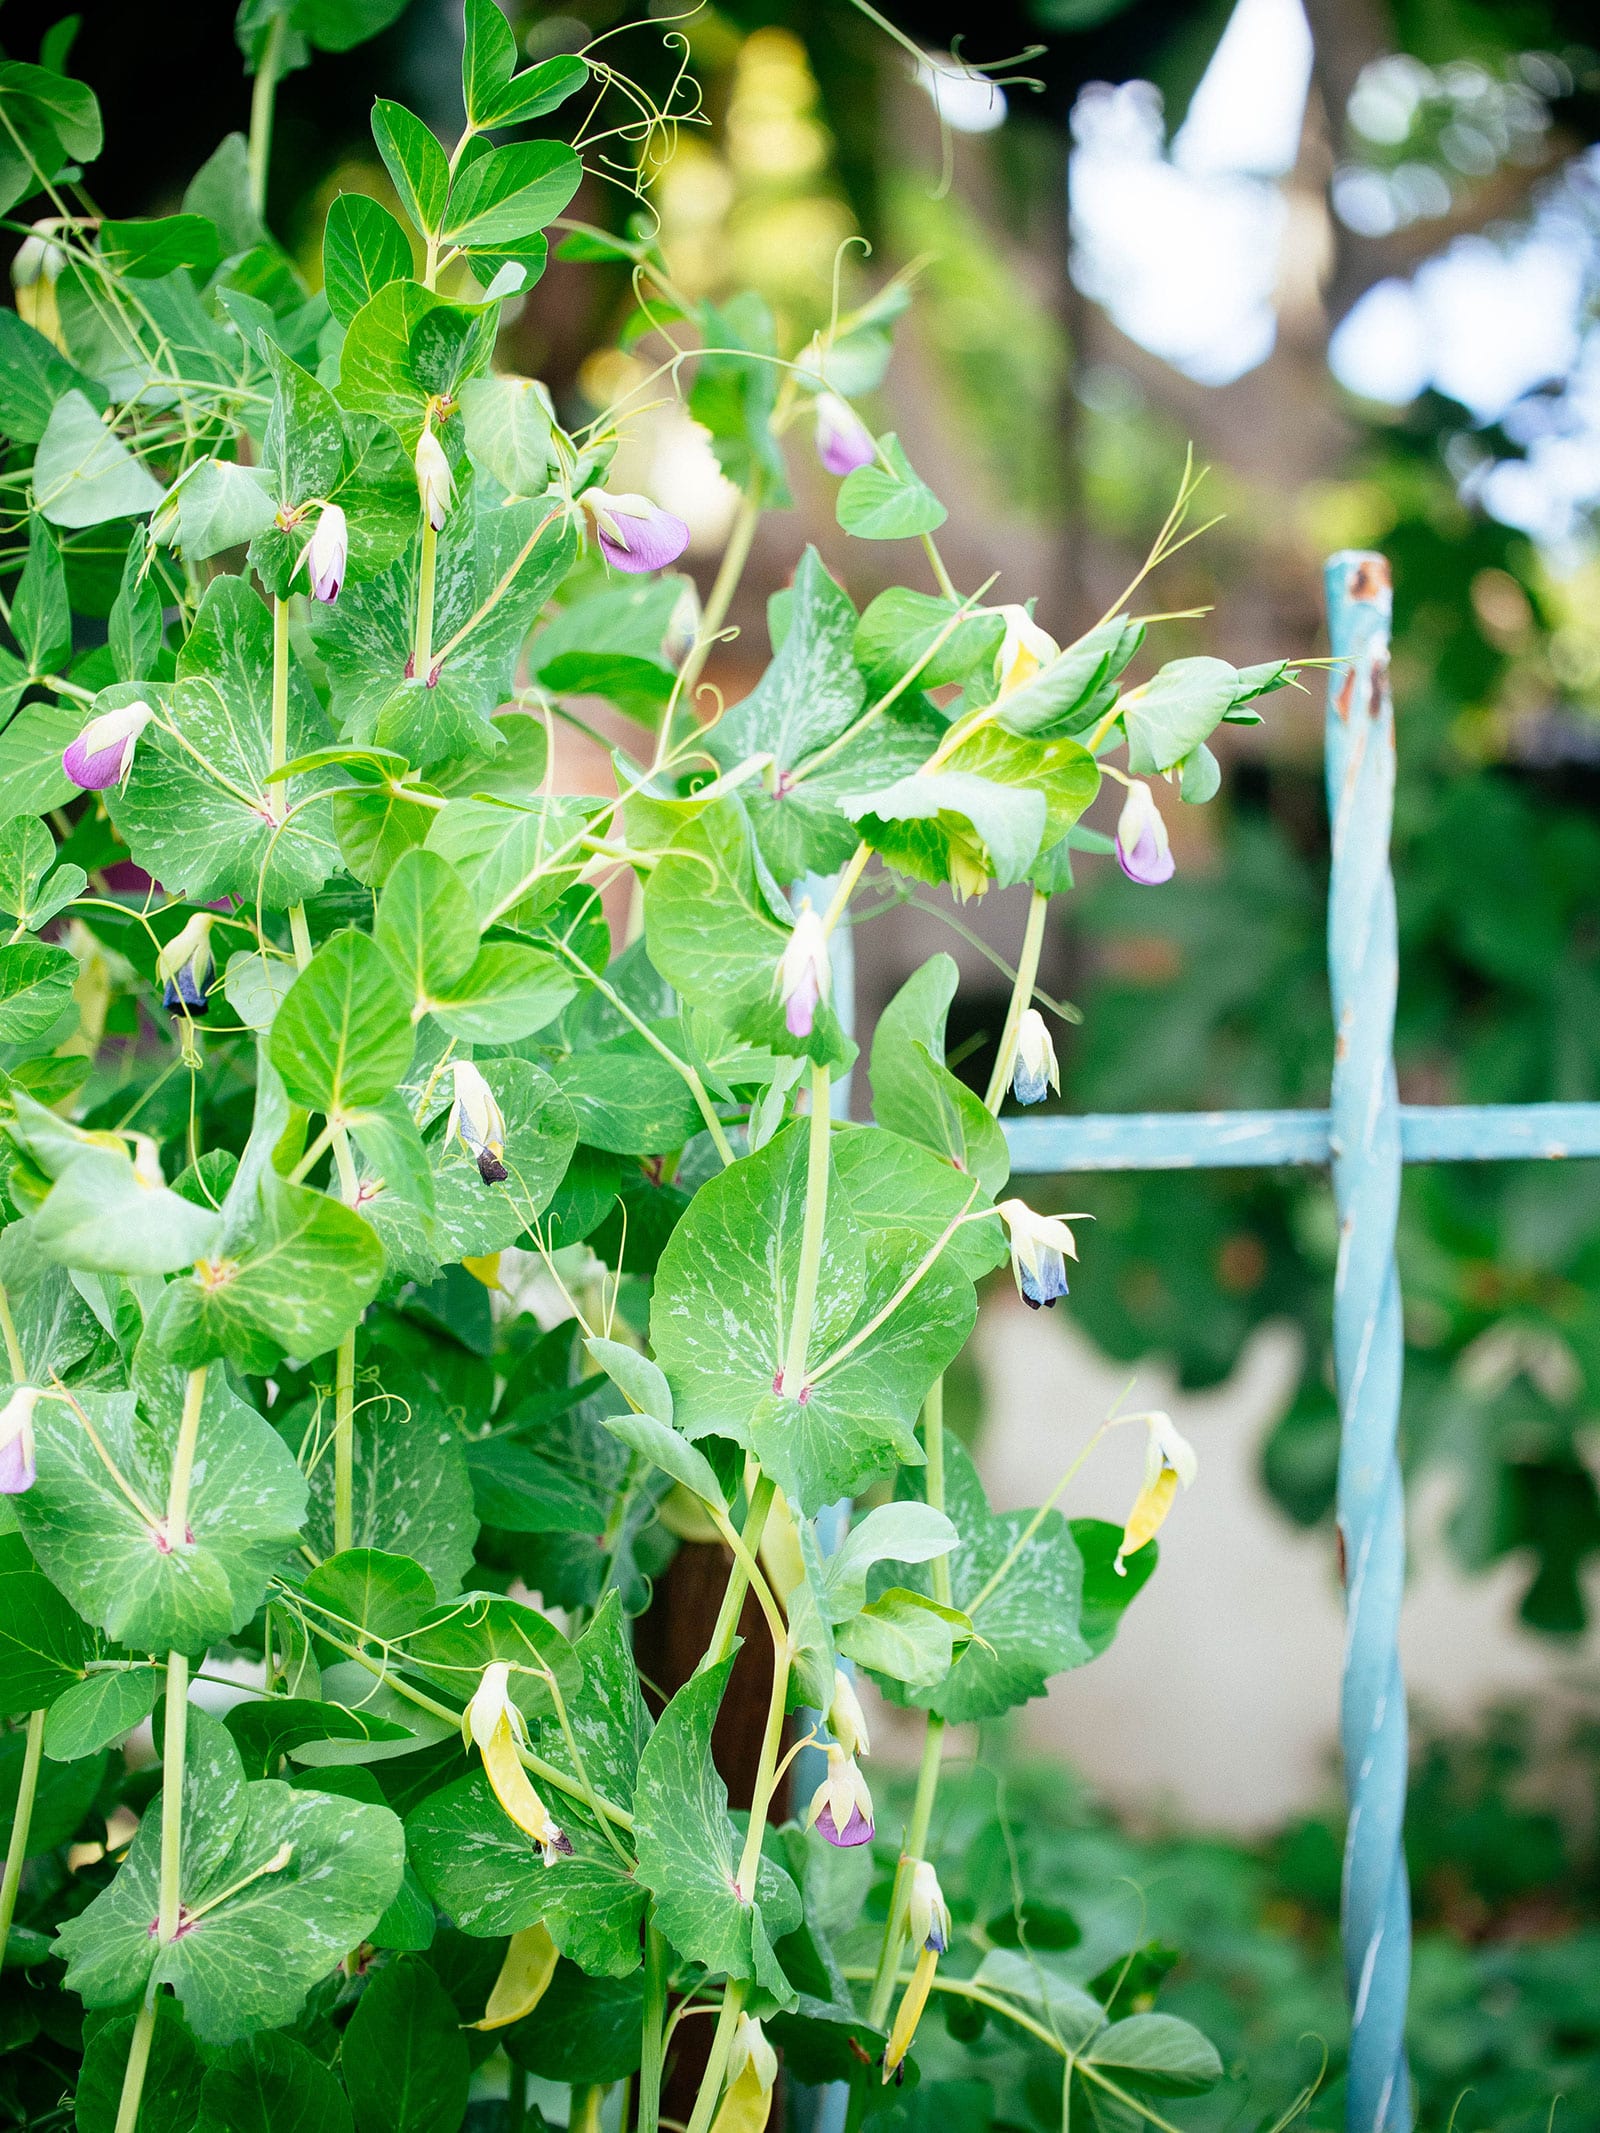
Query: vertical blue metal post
point(1366, 1152)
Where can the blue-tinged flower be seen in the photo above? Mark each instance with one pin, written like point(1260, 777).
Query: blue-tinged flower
point(1024, 649)
point(804, 974)
point(436, 485)
point(930, 1936)
point(1041, 1245)
point(477, 1123)
point(493, 1724)
point(16, 1440)
point(1143, 852)
point(102, 754)
point(1034, 1068)
point(843, 440)
point(1169, 1464)
point(185, 967)
point(327, 553)
point(841, 1806)
point(634, 534)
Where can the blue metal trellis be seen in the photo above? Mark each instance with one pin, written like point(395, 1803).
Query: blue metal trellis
point(1365, 1135)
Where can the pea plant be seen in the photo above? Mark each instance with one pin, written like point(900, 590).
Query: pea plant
point(396, 1267)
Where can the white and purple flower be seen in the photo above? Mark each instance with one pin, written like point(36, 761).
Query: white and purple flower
point(327, 553)
point(846, 1720)
point(102, 754)
point(1041, 1245)
point(16, 1440)
point(841, 1806)
point(843, 440)
point(1143, 852)
point(634, 534)
point(804, 973)
point(1033, 1067)
point(185, 967)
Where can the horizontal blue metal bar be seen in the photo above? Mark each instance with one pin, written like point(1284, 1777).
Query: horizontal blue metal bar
point(1248, 1140)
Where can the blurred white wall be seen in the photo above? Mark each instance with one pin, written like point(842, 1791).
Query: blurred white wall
point(1218, 1702)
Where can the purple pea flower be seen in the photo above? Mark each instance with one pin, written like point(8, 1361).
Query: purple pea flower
point(1143, 852)
point(843, 440)
point(841, 1807)
point(634, 534)
point(17, 1468)
point(327, 553)
point(804, 976)
point(102, 755)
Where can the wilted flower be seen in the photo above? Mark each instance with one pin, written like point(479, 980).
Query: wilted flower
point(328, 551)
point(804, 973)
point(34, 273)
point(1169, 1463)
point(846, 1720)
point(1024, 649)
point(634, 534)
point(102, 755)
point(435, 483)
point(1034, 1068)
point(185, 967)
point(968, 867)
point(476, 1122)
point(497, 1728)
point(843, 440)
point(841, 1807)
point(752, 2074)
point(930, 1935)
point(16, 1440)
point(1143, 852)
point(1040, 1247)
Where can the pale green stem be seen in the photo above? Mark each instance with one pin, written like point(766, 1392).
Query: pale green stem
point(933, 1479)
point(8, 1326)
point(717, 2065)
point(174, 1741)
point(793, 1379)
point(177, 1520)
point(144, 2029)
point(344, 1443)
point(1021, 998)
point(655, 2019)
point(720, 598)
point(280, 705)
point(727, 1623)
point(427, 572)
point(584, 2111)
point(300, 934)
point(766, 1772)
point(916, 1847)
point(262, 99)
point(21, 1820)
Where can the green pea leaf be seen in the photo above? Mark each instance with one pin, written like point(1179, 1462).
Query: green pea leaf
point(148, 247)
point(220, 504)
point(113, 1561)
point(913, 1091)
point(41, 616)
point(1072, 690)
point(42, 1643)
point(210, 832)
point(31, 776)
point(1167, 718)
point(516, 1490)
point(62, 1802)
point(1158, 2054)
point(412, 1496)
point(899, 628)
point(647, 1428)
point(266, 1729)
point(906, 1532)
point(493, 94)
point(97, 1713)
point(35, 989)
point(415, 161)
point(1028, 1628)
point(34, 375)
point(508, 426)
point(627, 1099)
point(689, 1849)
point(261, 1933)
point(890, 503)
point(885, 1324)
point(584, 2029)
point(363, 250)
point(381, 1594)
point(506, 195)
point(906, 1638)
point(171, 2094)
point(343, 1036)
point(404, 2056)
point(515, 860)
point(102, 1218)
point(510, 991)
point(270, 2084)
point(811, 691)
point(293, 1272)
point(83, 473)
